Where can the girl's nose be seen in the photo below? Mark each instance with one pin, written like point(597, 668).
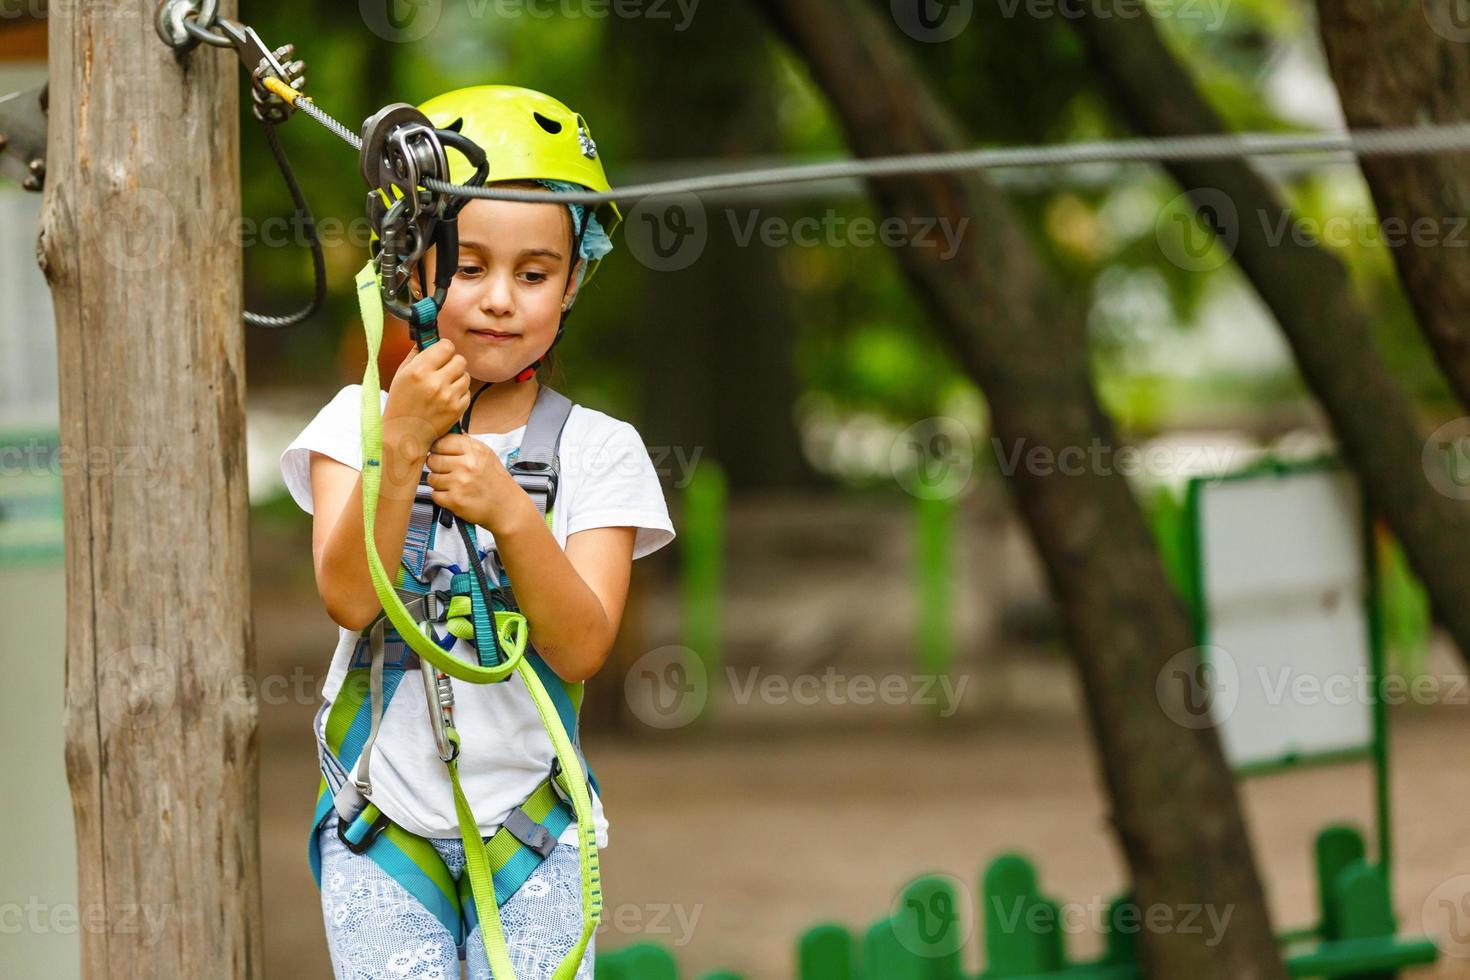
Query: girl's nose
point(497, 299)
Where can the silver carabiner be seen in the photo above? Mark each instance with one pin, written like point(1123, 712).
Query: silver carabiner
point(440, 696)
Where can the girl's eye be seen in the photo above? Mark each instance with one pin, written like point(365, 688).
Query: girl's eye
point(534, 276)
point(469, 269)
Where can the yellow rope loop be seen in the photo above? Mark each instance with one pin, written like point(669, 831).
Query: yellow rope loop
point(278, 87)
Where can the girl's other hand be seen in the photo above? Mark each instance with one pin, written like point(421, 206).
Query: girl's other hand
point(431, 388)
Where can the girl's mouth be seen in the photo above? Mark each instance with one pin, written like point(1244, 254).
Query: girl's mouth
point(493, 335)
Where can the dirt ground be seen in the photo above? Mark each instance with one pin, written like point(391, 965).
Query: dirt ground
point(727, 841)
point(725, 846)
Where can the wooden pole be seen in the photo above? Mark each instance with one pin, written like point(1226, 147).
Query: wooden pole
point(137, 243)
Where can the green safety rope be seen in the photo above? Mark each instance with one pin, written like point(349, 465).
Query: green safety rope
point(479, 867)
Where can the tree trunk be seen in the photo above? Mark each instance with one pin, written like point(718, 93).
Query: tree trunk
point(700, 313)
point(1403, 63)
point(1310, 293)
point(1175, 807)
point(141, 194)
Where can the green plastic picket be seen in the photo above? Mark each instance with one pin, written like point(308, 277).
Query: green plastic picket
point(1022, 929)
point(826, 952)
point(1121, 931)
point(640, 961)
point(932, 926)
point(884, 957)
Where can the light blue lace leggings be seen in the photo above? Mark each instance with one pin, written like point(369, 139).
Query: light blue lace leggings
point(377, 929)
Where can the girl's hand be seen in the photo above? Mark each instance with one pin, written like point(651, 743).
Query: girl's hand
point(469, 479)
point(429, 393)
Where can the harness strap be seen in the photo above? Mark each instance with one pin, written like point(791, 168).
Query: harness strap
point(535, 467)
point(422, 605)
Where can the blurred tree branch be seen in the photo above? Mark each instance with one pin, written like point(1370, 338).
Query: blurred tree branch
point(1309, 292)
point(1393, 68)
point(1175, 808)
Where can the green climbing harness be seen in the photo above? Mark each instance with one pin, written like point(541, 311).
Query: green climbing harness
point(494, 869)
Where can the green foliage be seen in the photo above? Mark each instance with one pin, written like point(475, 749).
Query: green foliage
point(864, 343)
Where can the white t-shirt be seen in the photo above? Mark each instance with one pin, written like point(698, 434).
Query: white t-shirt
point(607, 480)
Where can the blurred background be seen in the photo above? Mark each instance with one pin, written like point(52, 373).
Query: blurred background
point(780, 365)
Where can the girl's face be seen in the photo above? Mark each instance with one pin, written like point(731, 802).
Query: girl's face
point(503, 309)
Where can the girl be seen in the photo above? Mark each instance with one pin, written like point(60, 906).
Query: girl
point(389, 892)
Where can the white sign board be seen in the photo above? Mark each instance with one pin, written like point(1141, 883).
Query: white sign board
point(1283, 594)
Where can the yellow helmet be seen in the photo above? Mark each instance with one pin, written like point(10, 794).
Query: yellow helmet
point(526, 135)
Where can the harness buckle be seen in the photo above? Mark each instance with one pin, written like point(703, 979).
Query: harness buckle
point(374, 831)
point(530, 833)
point(535, 476)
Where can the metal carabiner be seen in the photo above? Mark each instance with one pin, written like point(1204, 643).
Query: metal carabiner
point(440, 697)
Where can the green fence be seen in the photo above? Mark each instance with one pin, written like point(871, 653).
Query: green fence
point(1023, 932)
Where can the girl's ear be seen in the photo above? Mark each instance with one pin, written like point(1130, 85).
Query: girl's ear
point(570, 296)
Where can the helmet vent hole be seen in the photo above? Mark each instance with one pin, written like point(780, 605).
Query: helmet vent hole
point(550, 125)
